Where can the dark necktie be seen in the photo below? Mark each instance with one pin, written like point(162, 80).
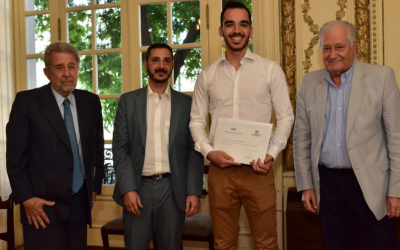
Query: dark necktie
point(77, 180)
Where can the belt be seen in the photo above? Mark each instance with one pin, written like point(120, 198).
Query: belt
point(156, 176)
point(337, 169)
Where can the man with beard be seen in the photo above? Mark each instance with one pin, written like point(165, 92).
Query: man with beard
point(55, 155)
point(245, 86)
point(159, 174)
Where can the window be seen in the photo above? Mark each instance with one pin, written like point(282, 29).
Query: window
point(112, 37)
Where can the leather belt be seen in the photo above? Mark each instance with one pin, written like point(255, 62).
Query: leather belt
point(156, 176)
point(336, 169)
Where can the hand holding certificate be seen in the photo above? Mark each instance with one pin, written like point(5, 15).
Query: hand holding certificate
point(245, 141)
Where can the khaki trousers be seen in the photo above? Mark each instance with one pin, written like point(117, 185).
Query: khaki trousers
point(229, 189)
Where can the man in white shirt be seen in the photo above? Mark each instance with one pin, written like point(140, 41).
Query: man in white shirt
point(245, 86)
point(159, 174)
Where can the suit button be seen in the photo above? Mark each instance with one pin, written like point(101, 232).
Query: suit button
point(143, 152)
point(139, 172)
point(71, 169)
point(69, 190)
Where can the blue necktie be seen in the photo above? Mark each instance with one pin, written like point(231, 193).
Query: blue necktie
point(77, 180)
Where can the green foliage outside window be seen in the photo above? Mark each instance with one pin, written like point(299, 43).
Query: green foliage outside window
point(185, 23)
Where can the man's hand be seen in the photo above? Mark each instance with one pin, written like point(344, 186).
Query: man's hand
point(221, 159)
point(262, 167)
point(192, 205)
point(93, 199)
point(309, 201)
point(132, 202)
point(393, 207)
point(35, 213)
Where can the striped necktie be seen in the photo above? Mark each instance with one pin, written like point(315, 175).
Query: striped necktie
point(77, 180)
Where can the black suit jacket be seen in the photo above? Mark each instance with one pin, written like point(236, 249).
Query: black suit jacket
point(39, 155)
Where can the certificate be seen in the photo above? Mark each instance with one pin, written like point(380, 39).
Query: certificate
point(243, 140)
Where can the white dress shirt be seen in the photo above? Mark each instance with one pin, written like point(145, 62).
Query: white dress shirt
point(60, 99)
point(249, 94)
point(156, 160)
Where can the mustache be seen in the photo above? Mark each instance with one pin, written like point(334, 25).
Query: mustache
point(161, 70)
point(67, 79)
point(236, 34)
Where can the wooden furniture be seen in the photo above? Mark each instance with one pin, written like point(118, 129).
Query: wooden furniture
point(304, 229)
point(8, 236)
point(197, 228)
point(115, 227)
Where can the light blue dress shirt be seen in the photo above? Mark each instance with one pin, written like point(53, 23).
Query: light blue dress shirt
point(333, 148)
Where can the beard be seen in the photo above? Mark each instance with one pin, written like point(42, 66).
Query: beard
point(232, 46)
point(162, 80)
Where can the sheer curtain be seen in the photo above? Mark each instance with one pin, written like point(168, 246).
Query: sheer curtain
point(7, 83)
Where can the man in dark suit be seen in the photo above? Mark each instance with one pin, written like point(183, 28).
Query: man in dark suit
point(55, 155)
point(159, 174)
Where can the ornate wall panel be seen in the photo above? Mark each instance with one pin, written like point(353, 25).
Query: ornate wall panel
point(301, 38)
point(391, 25)
point(363, 31)
point(289, 67)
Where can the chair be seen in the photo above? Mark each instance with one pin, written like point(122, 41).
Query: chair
point(9, 235)
point(115, 227)
point(198, 228)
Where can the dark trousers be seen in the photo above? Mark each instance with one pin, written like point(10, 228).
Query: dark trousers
point(346, 216)
point(72, 235)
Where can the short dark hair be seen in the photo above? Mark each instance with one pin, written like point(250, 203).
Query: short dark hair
point(158, 46)
point(234, 5)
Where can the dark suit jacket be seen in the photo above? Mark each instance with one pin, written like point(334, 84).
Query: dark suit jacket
point(129, 144)
point(39, 155)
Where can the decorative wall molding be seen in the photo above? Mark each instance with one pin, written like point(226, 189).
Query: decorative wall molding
point(374, 39)
point(314, 28)
point(363, 30)
point(341, 13)
point(288, 34)
point(289, 68)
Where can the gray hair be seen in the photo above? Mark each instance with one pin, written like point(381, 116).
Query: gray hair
point(60, 47)
point(351, 30)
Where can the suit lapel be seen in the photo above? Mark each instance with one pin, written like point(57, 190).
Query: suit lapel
point(52, 112)
point(176, 107)
point(356, 96)
point(321, 92)
point(83, 112)
point(141, 110)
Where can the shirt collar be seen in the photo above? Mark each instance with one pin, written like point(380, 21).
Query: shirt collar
point(167, 91)
point(347, 76)
point(249, 55)
point(60, 99)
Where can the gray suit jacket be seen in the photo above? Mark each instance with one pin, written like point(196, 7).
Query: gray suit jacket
point(372, 132)
point(129, 144)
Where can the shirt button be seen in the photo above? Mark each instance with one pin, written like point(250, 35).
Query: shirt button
point(340, 108)
point(338, 144)
point(338, 126)
point(340, 91)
